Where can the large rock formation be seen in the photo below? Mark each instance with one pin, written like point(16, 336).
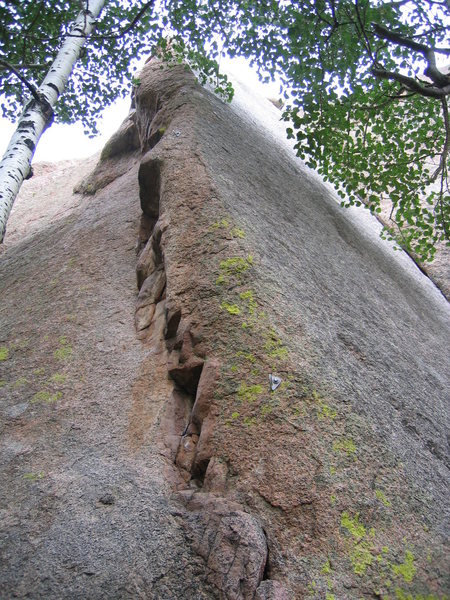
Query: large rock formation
point(144, 454)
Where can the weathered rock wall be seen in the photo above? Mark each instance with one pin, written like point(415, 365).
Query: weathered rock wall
point(144, 454)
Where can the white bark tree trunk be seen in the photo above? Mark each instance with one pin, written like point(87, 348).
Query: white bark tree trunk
point(36, 116)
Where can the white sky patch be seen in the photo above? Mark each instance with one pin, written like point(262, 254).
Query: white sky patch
point(63, 142)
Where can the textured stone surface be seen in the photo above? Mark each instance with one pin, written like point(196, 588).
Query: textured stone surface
point(156, 462)
point(231, 542)
point(271, 590)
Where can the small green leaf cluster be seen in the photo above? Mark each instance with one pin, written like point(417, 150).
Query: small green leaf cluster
point(381, 153)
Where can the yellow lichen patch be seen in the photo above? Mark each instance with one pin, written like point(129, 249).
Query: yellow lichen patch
point(326, 568)
point(236, 232)
point(274, 346)
point(64, 351)
point(382, 498)
point(22, 381)
point(33, 476)
point(221, 224)
point(233, 309)
point(361, 551)
point(58, 378)
point(46, 397)
point(346, 445)
point(406, 569)
point(235, 267)
point(324, 412)
point(266, 410)
point(353, 526)
point(247, 355)
point(401, 595)
point(249, 392)
point(248, 298)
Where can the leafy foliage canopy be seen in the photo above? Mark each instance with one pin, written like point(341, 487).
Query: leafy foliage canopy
point(367, 101)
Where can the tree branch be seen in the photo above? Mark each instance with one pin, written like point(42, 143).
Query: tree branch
point(397, 38)
point(412, 84)
point(133, 23)
point(25, 66)
point(23, 79)
point(436, 76)
point(363, 31)
point(112, 36)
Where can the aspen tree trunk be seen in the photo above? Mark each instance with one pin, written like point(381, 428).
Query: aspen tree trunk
point(38, 115)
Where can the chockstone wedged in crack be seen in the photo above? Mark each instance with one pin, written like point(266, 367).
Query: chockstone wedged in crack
point(150, 456)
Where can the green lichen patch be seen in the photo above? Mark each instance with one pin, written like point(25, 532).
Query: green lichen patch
point(247, 355)
point(233, 267)
point(402, 595)
point(326, 568)
point(233, 231)
point(233, 418)
point(361, 557)
point(362, 550)
point(34, 476)
point(324, 412)
point(274, 346)
point(382, 498)
point(4, 353)
point(21, 382)
point(39, 371)
point(64, 351)
point(251, 304)
point(266, 410)
point(232, 309)
point(345, 445)
point(58, 378)
point(353, 525)
point(20, 344)
point(221, 224)
point(249, 393)
point(406, 569)
point(46, 397)
point(312, 588)
point(236, 232)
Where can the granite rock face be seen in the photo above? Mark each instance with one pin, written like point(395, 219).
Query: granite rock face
point(143, 453)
